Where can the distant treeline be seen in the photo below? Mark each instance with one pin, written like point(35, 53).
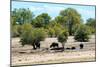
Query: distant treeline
point(68, 18)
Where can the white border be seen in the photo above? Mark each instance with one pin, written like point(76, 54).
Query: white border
point(5, 33)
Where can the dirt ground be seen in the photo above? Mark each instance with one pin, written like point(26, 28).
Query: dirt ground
point(26, 56)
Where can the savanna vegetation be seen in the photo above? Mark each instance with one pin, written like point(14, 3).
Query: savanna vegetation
point(33, 29)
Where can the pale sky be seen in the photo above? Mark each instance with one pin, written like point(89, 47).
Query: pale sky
point(53, 9)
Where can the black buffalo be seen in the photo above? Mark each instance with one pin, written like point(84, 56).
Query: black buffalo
point(54, 45)
point(68, 48)
point(81, 46)
point(37, 44)
point(73, 48)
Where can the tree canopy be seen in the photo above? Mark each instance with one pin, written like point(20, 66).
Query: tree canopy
point(41, 20)
point(82, 33)
point(91, 22)
point(73, 18)
point(22, 16)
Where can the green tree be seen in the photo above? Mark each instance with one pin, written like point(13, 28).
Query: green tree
point(57, 28)
point(61, 20)
point(26, 27)
point(26, 35)
point(41, 20)
point(73, 18)
point(63, 36)
point(45, 17)
point(51, 32)
point(38, 22)
point(33, 35)
point(52, 23)
point(13, 20)
point(91, 22)
point(54, 28)
point(22, 15)
point(82, 34)
point(15, 30)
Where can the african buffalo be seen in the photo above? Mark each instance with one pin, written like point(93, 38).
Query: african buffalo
point(37, 44)
point(54, 45)
point(73, 48)
point(81, 46)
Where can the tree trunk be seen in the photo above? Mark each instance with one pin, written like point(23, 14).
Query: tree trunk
point(70, 26)
point(63, 45)
point(70, 29)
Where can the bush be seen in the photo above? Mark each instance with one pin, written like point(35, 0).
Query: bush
point(74, 28)
point(92, 30)
point(16, 30)
point(51, 32)
point(58, 28)
point(26, 27)
point(29, 37)
point(39, 34)
point(63, 36)
point(54, 29)
point(82, 34)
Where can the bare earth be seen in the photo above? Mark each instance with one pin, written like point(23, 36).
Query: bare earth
point(26, 56)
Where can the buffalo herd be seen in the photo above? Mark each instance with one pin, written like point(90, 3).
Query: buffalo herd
point(55, 46)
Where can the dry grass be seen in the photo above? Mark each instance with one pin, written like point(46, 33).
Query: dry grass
point(26, 56)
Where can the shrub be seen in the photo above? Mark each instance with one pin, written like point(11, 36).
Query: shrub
point(26, 27)
point(51, 32)
point(82, 34)
point(74, 28)
point(58, 28)
point(16, 30)
point(39, 34)
point(91, 29)
point(33, 35)
point(63, 36)
point(54, 29)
